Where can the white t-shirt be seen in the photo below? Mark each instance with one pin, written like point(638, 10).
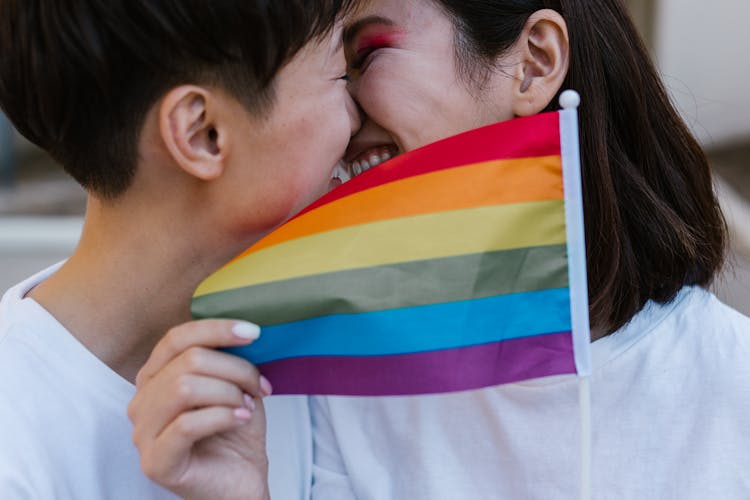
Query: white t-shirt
point(64, 430)
point(670, 412)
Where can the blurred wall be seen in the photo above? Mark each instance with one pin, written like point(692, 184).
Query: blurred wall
point(703, 51)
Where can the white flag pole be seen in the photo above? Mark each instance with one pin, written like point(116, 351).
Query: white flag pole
point(579, 309)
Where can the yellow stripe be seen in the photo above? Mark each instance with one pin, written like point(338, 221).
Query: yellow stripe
point(406, 239)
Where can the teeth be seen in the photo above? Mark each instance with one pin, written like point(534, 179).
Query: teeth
point(341, 172)
point(359, 166)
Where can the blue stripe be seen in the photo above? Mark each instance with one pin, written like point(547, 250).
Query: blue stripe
point(415, 329)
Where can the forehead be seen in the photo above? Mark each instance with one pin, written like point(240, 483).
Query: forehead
point(408, 13)
point(321, 52)
point(393, 6)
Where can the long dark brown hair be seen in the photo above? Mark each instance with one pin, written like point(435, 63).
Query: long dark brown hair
point(653, 224)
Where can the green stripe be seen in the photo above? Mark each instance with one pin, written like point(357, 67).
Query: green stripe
point(385, 287)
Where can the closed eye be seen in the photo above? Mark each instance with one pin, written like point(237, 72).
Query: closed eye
point(370, 44)
point(358, 64)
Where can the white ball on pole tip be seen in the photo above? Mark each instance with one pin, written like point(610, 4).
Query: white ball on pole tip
point(570, 99)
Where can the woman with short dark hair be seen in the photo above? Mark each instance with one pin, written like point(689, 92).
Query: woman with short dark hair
point(196, 127)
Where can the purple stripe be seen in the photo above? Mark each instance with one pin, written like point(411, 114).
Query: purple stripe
point(426, 372)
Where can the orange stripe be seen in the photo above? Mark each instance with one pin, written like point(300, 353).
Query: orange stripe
point(483, 184)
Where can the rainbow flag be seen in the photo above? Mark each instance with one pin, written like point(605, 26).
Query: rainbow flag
point(445, 269)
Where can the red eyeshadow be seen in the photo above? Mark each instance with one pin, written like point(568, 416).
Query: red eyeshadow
point(376, 41)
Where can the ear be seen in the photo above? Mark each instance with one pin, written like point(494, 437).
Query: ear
point(544, 48)
point(190, 128)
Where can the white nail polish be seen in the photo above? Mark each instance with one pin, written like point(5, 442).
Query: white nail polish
point(246, 330)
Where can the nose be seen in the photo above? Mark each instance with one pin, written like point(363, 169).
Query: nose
point(356, 116)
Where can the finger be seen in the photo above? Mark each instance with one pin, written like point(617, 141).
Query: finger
point(166, 458)
point(162, 403)
point(196, 378)
point(222, 365)
point(207, 333)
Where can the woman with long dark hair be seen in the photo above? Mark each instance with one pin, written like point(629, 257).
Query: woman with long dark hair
point(670, 382)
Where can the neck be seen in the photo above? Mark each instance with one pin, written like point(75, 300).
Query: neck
point(130, 279)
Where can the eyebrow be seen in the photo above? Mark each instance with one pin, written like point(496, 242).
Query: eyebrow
point(350, 32)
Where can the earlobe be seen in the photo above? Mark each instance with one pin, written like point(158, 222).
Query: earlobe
point(191, 133)
point(544, 49)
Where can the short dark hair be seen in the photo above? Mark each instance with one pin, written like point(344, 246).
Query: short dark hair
point(653, 224)
point(77, 77)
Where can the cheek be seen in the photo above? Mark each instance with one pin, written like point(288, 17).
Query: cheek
point(328, 126)
point(318, 143)
point(375, 96)
point(417, 101)
point(396, 103)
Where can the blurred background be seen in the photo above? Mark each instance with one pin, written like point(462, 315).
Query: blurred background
point(701, 48)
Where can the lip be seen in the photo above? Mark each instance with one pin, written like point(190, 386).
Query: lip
point(334, 183)
point(362, 150)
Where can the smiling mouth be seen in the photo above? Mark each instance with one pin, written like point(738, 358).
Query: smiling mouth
point(362, 162)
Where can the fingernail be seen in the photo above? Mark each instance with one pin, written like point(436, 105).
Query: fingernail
point(243, 414)
point(246, 330)
point(249, 402)
point(265, 386)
